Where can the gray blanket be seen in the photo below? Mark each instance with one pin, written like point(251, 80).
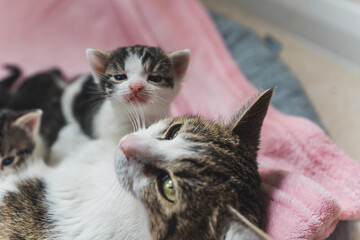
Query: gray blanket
point(259, 61)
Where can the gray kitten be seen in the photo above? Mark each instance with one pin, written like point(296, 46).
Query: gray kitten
point(185, 178)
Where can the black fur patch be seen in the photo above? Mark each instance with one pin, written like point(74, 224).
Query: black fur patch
point(42, 91)
point(171, 226)
point(86, 104)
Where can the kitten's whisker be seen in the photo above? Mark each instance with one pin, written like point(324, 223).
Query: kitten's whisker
point(143, 120)
point(135, 116)
point(130, 117)
point(127, 111)
point(160, 108)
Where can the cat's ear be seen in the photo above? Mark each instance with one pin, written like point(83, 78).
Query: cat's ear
point(29, 121)
point(248, 121)
point(241, 228)
point(180, 60)
point(97, 61)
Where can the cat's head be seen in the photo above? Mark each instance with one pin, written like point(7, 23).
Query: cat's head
point(18, 131)
point(195, 178)
point(139, 74)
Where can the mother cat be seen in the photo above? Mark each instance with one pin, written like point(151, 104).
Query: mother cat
point(185, 178)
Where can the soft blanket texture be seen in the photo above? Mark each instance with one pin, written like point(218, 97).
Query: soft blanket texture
point(308, 183)
point(260, 62)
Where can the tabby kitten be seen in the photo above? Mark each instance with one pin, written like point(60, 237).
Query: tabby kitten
point(19, 139)
point(130, 87)
point(185, 178)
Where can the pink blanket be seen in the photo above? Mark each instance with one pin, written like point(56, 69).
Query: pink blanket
point(308, 183)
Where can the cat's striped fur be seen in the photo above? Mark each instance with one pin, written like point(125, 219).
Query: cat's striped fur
point(212, 167)
point(19, 139)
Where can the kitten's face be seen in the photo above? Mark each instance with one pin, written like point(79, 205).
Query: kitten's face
point(189, 172)
point(17, 130)
point(139, 74)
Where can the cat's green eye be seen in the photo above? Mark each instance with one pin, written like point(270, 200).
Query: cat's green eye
point(167, 188)
point(173, 132)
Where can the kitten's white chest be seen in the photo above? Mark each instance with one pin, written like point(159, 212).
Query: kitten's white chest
point(111, 125)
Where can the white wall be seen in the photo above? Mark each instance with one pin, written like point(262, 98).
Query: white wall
point(330, 24)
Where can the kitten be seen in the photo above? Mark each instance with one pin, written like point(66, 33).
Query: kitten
point(130, 87)
point(19, 132)
point(185, 178)
point(42, 91)
point(7, 83)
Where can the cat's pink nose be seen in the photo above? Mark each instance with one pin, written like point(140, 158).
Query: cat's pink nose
point(128, 146)
point(136, 87)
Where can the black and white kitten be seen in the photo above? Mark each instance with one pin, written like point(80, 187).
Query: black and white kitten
point(40, 91)
point(185, 178)
point(130, 88)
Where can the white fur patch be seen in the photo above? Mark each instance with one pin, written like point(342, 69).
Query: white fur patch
point(87, 200)
point(69, 140)
point(67, 98)
point(133, 67)
point(111, 122)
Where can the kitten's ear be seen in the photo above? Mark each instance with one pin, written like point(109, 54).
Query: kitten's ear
point(241, 228)
point(97, 61)
point(29, 121)
point(247, 122)
point(180, 60)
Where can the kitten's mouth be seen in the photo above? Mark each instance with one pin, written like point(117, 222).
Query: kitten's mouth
point(136, 98)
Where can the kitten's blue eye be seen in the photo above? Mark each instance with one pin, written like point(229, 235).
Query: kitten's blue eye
point(120, 77)
point(155, 79)
point(7, 161)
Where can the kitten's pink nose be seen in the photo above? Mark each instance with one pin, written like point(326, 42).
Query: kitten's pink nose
point(136, 87)
point(128, 146)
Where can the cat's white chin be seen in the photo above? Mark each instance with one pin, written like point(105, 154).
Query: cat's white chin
point(124, 170)
point(136, 99)
point(129, 172)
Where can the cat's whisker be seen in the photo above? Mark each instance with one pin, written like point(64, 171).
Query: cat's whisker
point(143, 120)
point(160, 108)
point(136, 108)
point(129, 114)
point(133, 116)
